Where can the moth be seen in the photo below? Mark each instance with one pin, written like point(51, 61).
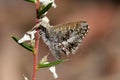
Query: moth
point(64, 38)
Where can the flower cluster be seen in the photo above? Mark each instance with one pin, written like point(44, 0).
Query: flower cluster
point(30, 40)
point(30, 35)
point(44, 21)
point(46, 2)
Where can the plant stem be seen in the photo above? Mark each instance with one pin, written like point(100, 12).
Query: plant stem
point(37, 4)
point(36, 44)
point(35, 55)
point(37, 9)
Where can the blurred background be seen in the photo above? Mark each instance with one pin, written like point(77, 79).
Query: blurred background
point(98, 57)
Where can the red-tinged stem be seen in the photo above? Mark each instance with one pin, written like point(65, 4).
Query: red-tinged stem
point(36, 44)
point(37, 9)
point(37, 4)
point(35, 55)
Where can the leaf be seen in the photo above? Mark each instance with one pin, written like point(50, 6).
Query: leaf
point(44, 10)
point(33, 1)
point(25, 45)
point(41, 65)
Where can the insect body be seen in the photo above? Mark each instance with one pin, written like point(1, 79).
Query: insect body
point(64, 38)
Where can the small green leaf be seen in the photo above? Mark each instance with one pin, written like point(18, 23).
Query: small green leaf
point(33, 1)
point(25, 45)
point(45, 9)
point(41, 65)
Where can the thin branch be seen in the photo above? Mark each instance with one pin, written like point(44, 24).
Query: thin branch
point(36, 44)
point(35, 55)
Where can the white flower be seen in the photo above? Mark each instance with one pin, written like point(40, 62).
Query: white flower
point(44, 60)
point(45, 22)
point(46, 2)
point(25, 78)
point(53, 70)
point(45, 19)
point(30, 35)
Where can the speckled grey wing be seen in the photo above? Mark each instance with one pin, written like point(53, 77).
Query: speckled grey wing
point(66, 38)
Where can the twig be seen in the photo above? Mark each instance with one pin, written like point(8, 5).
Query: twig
point(36, 44)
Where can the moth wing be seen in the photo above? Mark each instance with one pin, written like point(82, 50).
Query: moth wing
point(69, 36)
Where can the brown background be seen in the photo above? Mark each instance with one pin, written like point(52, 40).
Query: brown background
point(98, 58)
